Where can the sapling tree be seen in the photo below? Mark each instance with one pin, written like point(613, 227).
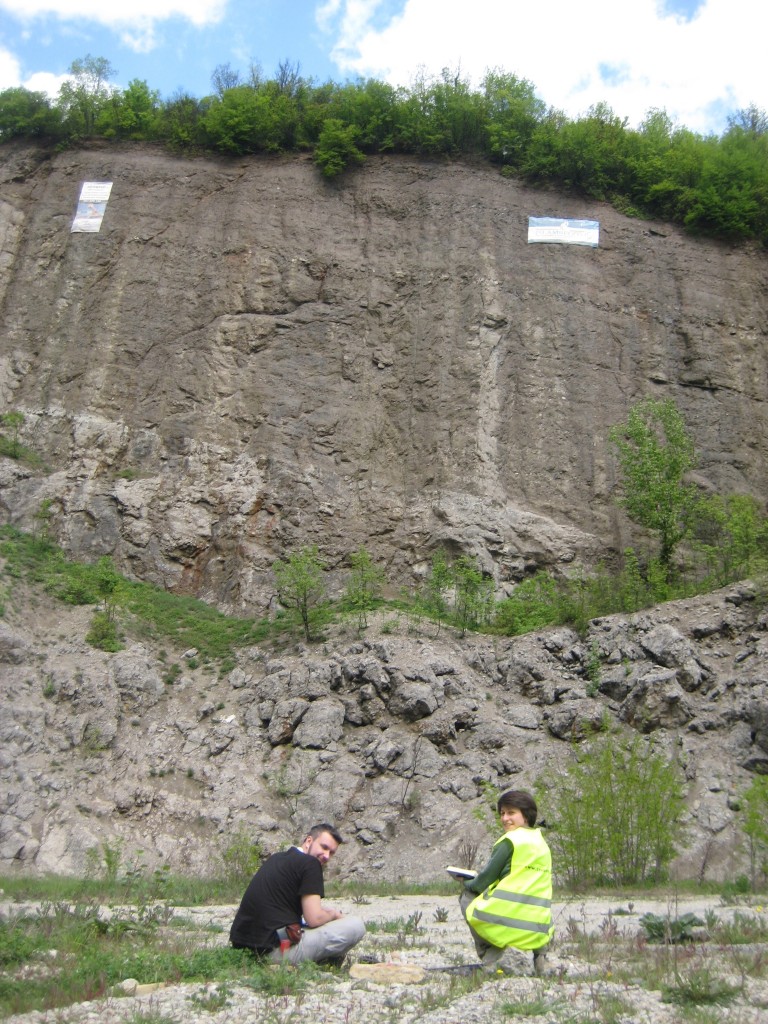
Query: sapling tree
point(655, 453)
point(473, 594)
point(755, 809)
point(363, 586)
point(300, 584)
point(614, 812)
point(434, 593)
point(14, 420)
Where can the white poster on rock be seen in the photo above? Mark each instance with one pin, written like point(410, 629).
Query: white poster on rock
point(91, 205)
point(564, 231)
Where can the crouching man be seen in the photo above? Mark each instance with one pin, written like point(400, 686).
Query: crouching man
point(282, 917)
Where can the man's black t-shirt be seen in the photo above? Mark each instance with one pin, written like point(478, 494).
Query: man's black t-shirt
point(273, 898)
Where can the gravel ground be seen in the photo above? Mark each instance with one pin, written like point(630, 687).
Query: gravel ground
point(595, 940)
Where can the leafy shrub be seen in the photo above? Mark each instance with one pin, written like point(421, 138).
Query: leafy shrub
point(670, 930)
point(336, 148)
point(242, 856)
point(103, 633)
point(614, 812)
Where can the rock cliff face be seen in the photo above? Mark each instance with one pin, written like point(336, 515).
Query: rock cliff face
point(246, 359)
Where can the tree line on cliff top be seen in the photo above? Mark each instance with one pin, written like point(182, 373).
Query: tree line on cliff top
point(714, 186)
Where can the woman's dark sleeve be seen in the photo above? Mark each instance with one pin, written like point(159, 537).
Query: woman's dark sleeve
point(496, 868)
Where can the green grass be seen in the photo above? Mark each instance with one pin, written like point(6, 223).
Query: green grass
point(700, 986)
point(353, 890)
point(71, 952)
point(20, 453)
point(741, 929)
point(186, 891)
point(145, 611)
point(132, 887)
point(536, 1006)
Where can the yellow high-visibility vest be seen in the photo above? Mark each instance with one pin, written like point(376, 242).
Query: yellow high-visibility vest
point(517, 910)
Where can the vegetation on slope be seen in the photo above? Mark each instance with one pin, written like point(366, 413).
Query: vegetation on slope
point(714, 186)
point(688, 543)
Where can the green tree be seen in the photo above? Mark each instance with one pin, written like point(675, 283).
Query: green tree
point(131, 114)
point(108, 582)
point(755, 808)
point(26, 114)
point(732, 534)
point(513, 112)
point(252, 120)
point(614, 812)
point(592, 152)
point(43, 520)
point(532, 605)
point(300, 584)
point(369, 106)
point(84, 96)
point(655, 453)
point(14, 420)
point(364, 585)
point(102, 633)
point(458, 114)
point(225, 77)
point(337, 147)
point(440, 115)
point(473, 594)
point(181, 119)
point(434, 593)
point(241, 858)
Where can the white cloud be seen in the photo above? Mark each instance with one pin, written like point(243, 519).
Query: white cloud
point(119, 12)
point(10, 70)
point(133, 20)
point(631, 56)
point(45, 81)
point(42, 81)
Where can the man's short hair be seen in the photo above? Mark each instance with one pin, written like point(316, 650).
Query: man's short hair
point(333, 832)
point(521, 801)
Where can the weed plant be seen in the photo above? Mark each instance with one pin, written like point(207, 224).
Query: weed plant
point(741, 929)
point(700, 985)
point(282, 979)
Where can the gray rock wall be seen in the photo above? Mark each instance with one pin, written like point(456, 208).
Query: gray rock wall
point(247, 359)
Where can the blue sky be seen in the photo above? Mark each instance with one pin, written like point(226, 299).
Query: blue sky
point(700, 60)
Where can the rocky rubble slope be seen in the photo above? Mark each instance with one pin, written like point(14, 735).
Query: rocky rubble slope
point(393, 734)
